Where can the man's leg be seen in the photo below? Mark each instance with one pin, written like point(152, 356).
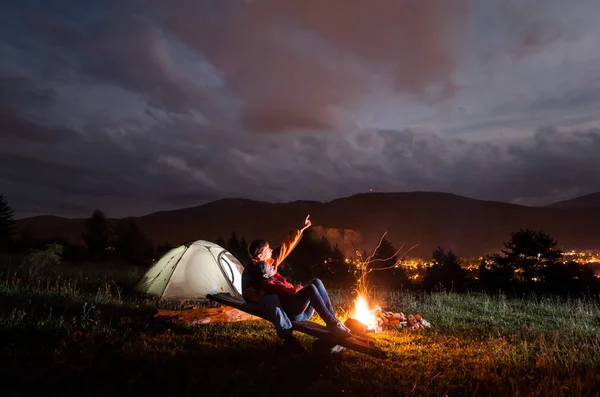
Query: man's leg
point(321, 289)
point(271, 307)
point(305, 315)
point(309, 310)
point(296, 304)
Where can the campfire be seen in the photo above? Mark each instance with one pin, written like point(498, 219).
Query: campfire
point(368, 318)
point(365, 319)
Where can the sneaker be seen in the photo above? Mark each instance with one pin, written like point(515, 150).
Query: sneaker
point(291, 343)
point(340, 330)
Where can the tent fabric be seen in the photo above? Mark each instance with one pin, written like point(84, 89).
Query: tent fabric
point(192, 271)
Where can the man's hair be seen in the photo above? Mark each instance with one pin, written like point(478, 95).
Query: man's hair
point(256, 247)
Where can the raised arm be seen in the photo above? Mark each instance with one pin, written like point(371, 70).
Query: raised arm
point(282, 252)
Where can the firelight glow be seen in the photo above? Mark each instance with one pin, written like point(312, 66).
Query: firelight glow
point(363, 314)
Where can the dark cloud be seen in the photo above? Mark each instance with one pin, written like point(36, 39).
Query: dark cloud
point(542, 169)
point(15, 127)
point(18, 91)
point(71, 180)
point(135, 106)
point(263, 49)
point(16, 95)
point(127, 50)
point(94, 170)
point(160, 173)
point(533, 27)
point(536, 170)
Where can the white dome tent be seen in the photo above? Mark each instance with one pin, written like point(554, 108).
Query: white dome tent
point(191, 271)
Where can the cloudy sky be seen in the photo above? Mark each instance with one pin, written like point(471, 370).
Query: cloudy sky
point(135, 106)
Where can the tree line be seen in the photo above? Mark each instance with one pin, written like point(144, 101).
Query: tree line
point(103, 241)
point(529, 262)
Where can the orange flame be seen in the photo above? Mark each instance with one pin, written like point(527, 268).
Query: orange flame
point(363, 314)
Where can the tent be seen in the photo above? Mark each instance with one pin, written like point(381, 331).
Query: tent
point(192, 271)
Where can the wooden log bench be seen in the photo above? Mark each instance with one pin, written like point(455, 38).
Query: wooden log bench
point(325, 339)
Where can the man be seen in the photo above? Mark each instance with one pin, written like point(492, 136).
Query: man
point(297, 301)
point(269, 303)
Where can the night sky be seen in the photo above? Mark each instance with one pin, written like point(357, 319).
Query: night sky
point(137, 106)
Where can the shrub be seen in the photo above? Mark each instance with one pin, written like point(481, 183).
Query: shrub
point(35, 263)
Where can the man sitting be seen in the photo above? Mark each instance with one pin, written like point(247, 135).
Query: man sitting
point(298, 302)
point(269, 303)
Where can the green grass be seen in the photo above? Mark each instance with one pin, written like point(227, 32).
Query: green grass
point(92, 336)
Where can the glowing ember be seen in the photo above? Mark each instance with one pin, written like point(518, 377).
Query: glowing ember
point(363, 314)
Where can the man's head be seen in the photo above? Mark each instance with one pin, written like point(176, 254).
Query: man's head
point(260, 250)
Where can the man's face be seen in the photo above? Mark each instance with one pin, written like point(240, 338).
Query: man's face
point(266, 253)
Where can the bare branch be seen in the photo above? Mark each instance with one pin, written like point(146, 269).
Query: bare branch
point(364, 264)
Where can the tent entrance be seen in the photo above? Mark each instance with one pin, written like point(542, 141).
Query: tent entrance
point(230, 266)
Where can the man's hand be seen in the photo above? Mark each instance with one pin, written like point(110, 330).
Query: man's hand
point(307, 223)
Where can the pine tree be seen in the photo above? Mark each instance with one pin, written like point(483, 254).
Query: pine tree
point(132, 244)
point(386, 257)
point(97, 235)
point(7, 224)
point(529, 252)
point(339, 267)
point(243, 253)
point(221, 242)
point(445, 272)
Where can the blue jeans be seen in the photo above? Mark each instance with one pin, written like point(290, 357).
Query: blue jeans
point(309, 299)
point(270, 306)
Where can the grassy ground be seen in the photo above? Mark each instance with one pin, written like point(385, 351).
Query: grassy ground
point(92, 336)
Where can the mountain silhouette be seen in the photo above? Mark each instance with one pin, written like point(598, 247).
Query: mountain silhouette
point(468, 226)
point(583, 202)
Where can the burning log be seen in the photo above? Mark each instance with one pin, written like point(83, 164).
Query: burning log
point(356, 326)
point(367, 317)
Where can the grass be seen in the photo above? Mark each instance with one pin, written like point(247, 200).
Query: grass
point(93, 336)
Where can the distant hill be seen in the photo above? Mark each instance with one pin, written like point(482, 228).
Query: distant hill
point(467, 226)
point(583, 202)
